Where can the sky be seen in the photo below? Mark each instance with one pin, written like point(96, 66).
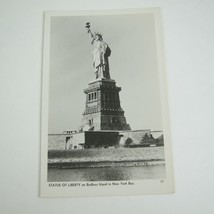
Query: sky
point(133, 65)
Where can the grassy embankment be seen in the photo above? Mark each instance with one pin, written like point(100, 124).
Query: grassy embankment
point(105, 157)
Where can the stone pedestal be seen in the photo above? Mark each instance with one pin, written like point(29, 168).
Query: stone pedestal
point(103, 110)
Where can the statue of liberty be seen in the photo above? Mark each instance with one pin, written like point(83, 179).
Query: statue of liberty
point(100, 52)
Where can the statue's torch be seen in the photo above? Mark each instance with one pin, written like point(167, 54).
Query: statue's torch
point(88, 26)
point(88, 29)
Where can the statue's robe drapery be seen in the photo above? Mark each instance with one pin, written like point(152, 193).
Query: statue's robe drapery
point(101, 52)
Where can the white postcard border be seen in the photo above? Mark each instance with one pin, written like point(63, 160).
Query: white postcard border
point(136, 187)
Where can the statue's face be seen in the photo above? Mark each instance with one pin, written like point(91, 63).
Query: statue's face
point(98, 38)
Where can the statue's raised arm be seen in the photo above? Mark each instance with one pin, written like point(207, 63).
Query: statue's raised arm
point(100, 52)
point(89, 30)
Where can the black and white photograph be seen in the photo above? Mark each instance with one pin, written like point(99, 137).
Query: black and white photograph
point(105, 122)
point(107, 107)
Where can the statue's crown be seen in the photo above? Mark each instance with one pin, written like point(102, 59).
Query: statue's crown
point(98, 34)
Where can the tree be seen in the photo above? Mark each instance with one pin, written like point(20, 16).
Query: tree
point(128, 142)
point(144, 139)
point(147, 139)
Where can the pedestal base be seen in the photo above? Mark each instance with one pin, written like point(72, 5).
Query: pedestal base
point(103, 110)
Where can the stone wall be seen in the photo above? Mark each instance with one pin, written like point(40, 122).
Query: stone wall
point(76, 141)
point(56, 141)
point(91, 139)
point(135, 135)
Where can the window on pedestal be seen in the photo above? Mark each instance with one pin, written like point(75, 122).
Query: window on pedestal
point(92, 96)
point(90, 122)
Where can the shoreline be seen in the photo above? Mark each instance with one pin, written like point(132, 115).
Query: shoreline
point(101, 164)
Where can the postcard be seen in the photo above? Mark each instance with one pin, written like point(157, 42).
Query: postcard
point(105, 124)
